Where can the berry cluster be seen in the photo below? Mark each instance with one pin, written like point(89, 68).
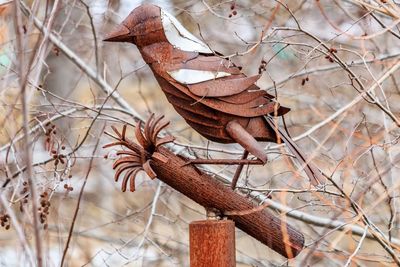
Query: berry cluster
point(56, 51)
point(50, 133)
point(304, 80)
point(25, 195)
point(68, 187)
point(5, 221)
point(54, 148)
point(59, 158)
point(262, 67)
point(233, 10)
point(331, 52)
point(44, 208)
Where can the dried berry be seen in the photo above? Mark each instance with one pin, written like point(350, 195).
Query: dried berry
point(5, 221)
point(44, 209)
point(56, 51)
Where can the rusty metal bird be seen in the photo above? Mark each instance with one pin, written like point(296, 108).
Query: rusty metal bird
point(210, 92)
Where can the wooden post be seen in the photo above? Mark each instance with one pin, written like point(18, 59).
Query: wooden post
point(212, 243)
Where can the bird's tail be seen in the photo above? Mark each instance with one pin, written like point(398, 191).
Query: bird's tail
point(313, 173)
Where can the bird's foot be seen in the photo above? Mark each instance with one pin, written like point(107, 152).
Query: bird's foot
point(225, 161)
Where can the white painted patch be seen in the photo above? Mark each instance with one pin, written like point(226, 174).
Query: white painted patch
point(181, 38)
point(189, 76)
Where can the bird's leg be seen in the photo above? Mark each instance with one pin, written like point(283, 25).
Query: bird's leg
point(246, 140)
point(239, 171)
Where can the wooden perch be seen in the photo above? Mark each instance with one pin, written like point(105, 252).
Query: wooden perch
point(173, 170)
point(209, 193)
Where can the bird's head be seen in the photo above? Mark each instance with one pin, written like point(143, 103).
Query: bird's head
point(142, 27)
point(149, 24)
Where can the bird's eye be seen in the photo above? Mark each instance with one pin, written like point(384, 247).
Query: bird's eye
point(139, 29)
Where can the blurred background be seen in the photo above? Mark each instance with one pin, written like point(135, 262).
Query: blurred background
point(334, 63)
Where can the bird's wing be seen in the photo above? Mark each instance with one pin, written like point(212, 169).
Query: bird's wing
point(212, 76)
point(226, 86)
point(217, 83)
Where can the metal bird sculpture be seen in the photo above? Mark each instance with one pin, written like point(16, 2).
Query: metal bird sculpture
point(212, 94)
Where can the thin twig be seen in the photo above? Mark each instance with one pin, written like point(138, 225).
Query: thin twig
point(18, 228)
point(80, 63)
point(26, 140)
point(71, 229)
point(150, 219)
point(357, 248)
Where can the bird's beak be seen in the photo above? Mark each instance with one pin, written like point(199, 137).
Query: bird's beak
point(119, 34)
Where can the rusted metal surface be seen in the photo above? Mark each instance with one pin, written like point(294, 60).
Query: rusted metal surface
point(246, 140)
point(238, 171)
point(207, 90)
point(132, 162)
point(175, 171)
point(212, 243)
